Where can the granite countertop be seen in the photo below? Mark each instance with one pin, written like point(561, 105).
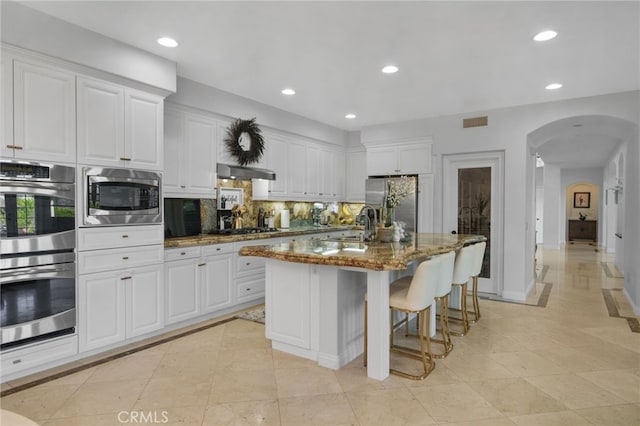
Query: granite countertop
point(206, 239)
point(368, 255)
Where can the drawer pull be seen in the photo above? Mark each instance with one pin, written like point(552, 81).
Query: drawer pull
point(125, 258)
point(248, 289)
point(125, 236)
point(125, 278)
point(125, 159)
point(248, 263)
point(182, 253)
point(17, 361)
point(182, 186)
point(14, 147)
point(218, 249)
point(201, 264)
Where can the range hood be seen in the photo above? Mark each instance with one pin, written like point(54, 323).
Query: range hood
point(229, 171)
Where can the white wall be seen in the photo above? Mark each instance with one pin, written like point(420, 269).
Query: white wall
point(569, 177)
point(24, 27)
point(553, 202)
point(507, 130)
point(197, 95)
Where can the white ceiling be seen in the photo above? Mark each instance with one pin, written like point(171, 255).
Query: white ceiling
point(454, 57)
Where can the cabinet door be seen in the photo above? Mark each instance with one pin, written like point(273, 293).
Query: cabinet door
point(173, 177)
point(143, 130)
point(100, 123)
point(382, 161)
point(314, 183)
point(216, 282)
point(222, 152)
point(325, 174)
point(145, 301)
point(200, 167)
point(297, 173)
point(356, 172)
point(338, 182)
point(414, 159)
point(277, 161)
point(6, 105)
point(182, 299)
point(44, 113)
point(101, 307)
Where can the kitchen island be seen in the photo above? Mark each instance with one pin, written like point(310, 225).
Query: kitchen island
point(315, 290)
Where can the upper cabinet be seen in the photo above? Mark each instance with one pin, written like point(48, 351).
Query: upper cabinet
point(399, 159)
point(44, 112)
point(118, 126)
point(356, 171)
point(190, 150)
point(6, 104)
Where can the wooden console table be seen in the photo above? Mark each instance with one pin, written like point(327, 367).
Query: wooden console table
point(586, 230)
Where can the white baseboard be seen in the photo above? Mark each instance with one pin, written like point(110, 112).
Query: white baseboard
point(517, 296)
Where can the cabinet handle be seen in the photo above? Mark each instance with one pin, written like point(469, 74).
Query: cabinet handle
point(201, 264)
point(182, 253)
point(218, 249)
point(14, 147)
point(182, 186)
point(125, 258)
point(248, 289)
point(248, 263)
point(125, 278)
point(322, 193)
point(17, 361)
point(125, 159)
point(125, 236)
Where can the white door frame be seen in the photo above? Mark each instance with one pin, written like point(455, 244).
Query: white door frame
point(494, 159)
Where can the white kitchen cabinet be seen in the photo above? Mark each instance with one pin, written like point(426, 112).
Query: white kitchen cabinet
point(6, 105)
point(44, 113)
point(356, 175)
point(400, 159)
point(338, 175)
point(216, 279)
point(118, 126)
point(116, 305)
point(297, 172)
point(277, 160)
point(182, 293)
point(190, 152)
point(52, 351)
point(314, 165)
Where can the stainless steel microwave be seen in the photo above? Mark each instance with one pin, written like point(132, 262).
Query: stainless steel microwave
point(121, 197)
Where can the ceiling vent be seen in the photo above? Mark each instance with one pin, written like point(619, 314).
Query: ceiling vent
point(475, 122)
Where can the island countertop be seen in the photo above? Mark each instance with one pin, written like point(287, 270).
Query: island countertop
point(376, 256)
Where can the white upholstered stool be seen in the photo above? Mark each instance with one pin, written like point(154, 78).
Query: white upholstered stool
point(462, 268)
point(443, 290)
point(475, 272)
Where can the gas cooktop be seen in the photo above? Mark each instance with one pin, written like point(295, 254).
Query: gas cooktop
point(241, 231)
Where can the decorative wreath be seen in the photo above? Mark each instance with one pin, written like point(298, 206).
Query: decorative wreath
point(245, 155)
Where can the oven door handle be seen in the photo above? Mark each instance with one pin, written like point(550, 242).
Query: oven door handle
point(66, 270)
point(62, 190)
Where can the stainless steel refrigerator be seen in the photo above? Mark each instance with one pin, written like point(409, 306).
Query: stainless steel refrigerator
point(407, 211)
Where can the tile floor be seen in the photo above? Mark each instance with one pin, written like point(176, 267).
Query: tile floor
point(567, 363)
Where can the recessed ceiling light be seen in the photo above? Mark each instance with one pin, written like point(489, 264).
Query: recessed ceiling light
point(553, 86)
point(545, 35)
point(390, 69)
point(350, 116)
point(167, 42)
point(288, 92)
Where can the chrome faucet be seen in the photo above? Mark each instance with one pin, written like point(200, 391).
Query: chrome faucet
point(369, 228)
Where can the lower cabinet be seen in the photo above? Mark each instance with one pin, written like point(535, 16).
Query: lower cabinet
point(117, 305)
point(216, 278)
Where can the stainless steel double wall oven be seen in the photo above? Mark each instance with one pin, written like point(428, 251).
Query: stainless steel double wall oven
point(37, 266)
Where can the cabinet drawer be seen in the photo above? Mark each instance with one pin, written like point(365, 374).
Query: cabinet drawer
point(119, 236)
point(218, 249)
point(181, 253)
point(248, 264)
point(112, 259)
point(41, 354)
point(250, 289)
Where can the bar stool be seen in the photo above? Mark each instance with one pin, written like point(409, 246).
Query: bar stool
point(475, 272)
point(417, 298)
point(443, 290)
point(461, 273)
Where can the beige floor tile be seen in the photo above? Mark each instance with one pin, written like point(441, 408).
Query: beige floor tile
point(38, 403)
point(574, 391)
point(496, 421)
point(526, 363)
point(165, 393)
point(561, 418)
point(183, 416)
point(513, 397)
point(245, 359)
point(236, 386)
point(72, 379)
point(454, 403)
point(110, 419)
point(331, 409)
point(441, 375)
point(243, 413)
point(208, 340)
point(283, 360)
point(186, 364)
point(388, 407)
point(474, 367)
point(573, 359)
point(140, 365)
point(353, 379)
point(306, 381)
point(101, 398)
point(616, 415)
point(623, 383)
